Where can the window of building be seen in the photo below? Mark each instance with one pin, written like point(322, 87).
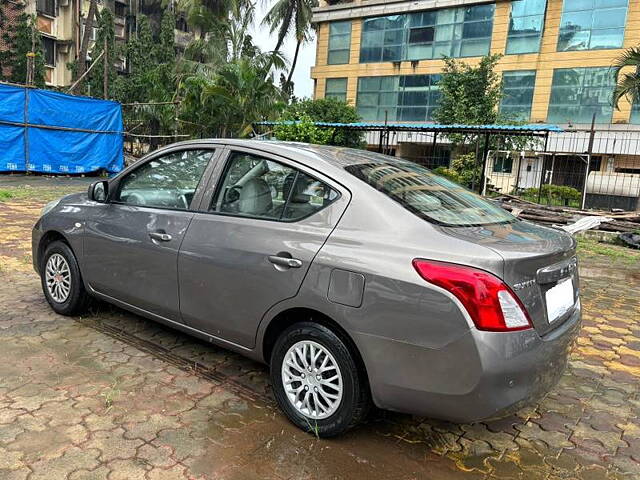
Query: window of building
point(120, 9)
point(336, 88)
point(94, 32)
point(46, 7)
point(526, 26)
point(410, 98)
point(49, 48)
point(518, 87)
point(502, 162)
point(592, 24)
point(579, 93)
point(452, 32)
point(339, 42)
point(635, 113)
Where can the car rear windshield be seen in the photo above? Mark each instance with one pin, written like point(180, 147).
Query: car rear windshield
point(428, 195)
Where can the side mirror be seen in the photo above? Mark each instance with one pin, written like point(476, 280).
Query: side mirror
point(99, 191)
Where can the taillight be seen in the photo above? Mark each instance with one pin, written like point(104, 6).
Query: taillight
point(490, 302)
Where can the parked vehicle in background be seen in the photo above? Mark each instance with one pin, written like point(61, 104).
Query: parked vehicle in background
point(359, 278)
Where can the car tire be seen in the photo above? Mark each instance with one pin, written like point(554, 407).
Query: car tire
point(321, 417)
point(69, 297)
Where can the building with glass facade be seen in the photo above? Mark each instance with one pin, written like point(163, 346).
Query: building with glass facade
point(384, 57)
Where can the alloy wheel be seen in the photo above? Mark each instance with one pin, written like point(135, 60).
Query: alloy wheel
point(312, 380)
point(58, 278)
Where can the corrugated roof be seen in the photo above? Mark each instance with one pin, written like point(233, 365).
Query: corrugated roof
point(433, 127)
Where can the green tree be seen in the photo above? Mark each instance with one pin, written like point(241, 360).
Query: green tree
point(245, 95)
point(291, 16)
point(20, 42)
point(225, 82)
point(627, 83)
point(327, 110)
point(105, 36)
point(208, 15)
point(470, 95)
point(166, 46)
point(141, 60)
point(303, 130)
point(151, 80)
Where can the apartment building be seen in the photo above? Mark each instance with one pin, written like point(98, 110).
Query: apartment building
point(384, 56)
point(8, 21)
point(61, 24)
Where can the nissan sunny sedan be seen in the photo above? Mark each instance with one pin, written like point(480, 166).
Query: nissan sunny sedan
point(361, 279)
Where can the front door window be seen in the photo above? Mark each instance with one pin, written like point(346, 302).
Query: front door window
point(168, 181)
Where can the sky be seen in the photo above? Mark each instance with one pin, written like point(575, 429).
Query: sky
point(303, 85)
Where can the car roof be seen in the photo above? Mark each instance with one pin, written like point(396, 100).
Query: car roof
point(309, 154)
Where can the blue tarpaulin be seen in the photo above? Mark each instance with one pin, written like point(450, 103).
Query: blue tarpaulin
point(51, 132)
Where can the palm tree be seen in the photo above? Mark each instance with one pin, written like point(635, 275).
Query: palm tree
point(287, 16)
point(225, 82)
point(628, 83)
point(246, 95)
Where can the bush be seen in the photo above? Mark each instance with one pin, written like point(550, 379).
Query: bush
point(463, 170)
point(303, 131)
point(447, 173)
point(322, 110)
point(555, 194)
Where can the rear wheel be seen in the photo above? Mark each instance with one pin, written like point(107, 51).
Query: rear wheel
point(317, 381)
point(61, 280)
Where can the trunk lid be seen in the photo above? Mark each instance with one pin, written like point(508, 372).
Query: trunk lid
point(536, 259)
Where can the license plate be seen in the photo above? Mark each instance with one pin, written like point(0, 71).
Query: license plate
point(559, 299)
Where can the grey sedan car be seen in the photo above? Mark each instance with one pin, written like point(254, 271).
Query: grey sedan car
point(361, 279)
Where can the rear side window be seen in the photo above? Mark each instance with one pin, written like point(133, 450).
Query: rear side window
point(253, 186)
point(428, 195)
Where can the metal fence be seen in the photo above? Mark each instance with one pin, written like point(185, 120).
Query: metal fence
point(595, 168)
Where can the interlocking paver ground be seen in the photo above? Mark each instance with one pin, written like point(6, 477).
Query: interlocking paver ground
point(112, 395)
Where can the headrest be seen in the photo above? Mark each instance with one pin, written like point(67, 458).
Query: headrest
point(255, 197)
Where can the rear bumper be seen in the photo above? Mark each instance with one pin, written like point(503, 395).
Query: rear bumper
point(481, 375)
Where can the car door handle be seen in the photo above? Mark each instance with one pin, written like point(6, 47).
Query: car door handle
point(160, 237)
point(285, 261)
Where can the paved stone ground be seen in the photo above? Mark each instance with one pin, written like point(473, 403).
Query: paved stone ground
point(115, 396)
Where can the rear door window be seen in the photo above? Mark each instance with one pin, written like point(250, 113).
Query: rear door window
point(426, 194)
point(257, 187)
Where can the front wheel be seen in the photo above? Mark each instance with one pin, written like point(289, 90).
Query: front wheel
point(316, 380)
point(61, 280)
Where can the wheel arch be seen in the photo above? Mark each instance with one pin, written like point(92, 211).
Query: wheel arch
point(293, 315)
point(47, 239)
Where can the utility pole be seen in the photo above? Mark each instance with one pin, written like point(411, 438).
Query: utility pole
point(105, 72)
point(592, 137)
